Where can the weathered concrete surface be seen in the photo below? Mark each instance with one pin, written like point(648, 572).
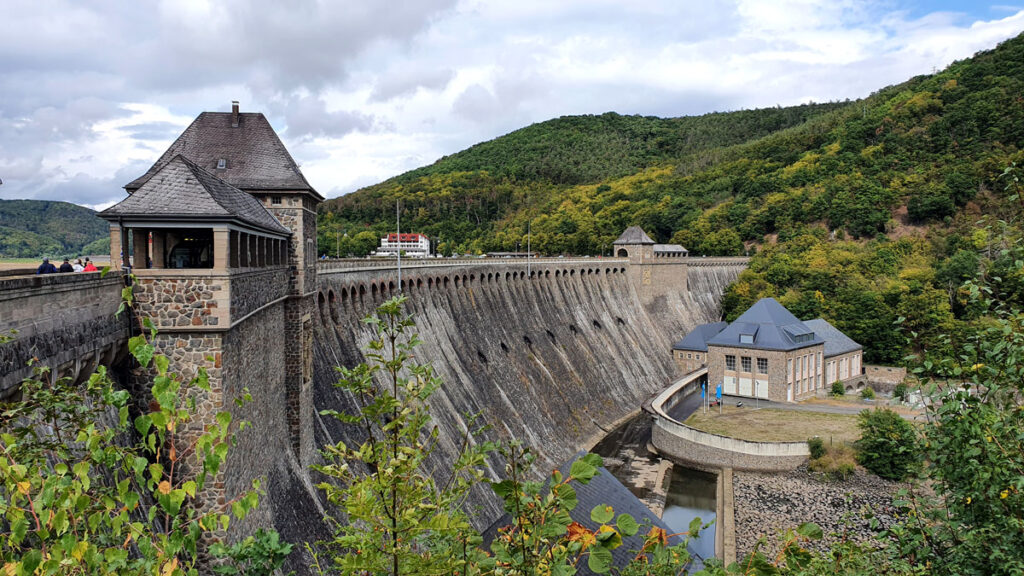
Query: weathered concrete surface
point(548, 360)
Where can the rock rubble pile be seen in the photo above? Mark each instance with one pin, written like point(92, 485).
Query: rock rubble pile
point(768, 504)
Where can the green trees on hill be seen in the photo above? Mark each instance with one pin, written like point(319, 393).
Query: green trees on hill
point(906, 160)
point(35, 228)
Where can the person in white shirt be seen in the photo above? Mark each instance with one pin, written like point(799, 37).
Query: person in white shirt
point(78, 265)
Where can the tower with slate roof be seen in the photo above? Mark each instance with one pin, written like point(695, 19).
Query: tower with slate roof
point(220, 234)
point(634, 244)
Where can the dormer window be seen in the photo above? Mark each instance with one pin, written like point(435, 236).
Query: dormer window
point(222, 164)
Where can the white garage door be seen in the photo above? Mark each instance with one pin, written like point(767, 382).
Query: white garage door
point(746, 387)
point(762, 388)
point(730, 385)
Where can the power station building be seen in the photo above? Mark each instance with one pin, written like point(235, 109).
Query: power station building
point(768, 353)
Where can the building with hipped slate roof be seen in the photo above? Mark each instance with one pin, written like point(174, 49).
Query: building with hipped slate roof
point(691, 353)
point(634, 244)
point(843, 356)
point(768, 353)
point(670, 251)
point(220, 234)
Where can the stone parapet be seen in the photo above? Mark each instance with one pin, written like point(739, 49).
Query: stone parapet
point(65, 321)
point(192, 300)
point(184, 299)
point(705, 450)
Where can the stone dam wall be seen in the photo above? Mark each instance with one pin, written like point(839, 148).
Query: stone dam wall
point(551, 353)
point(66, 321)
point(551, 357)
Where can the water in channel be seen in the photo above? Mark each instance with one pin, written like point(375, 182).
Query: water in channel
point(691, 493)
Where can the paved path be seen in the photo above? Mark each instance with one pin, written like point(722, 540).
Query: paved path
point(805, 406)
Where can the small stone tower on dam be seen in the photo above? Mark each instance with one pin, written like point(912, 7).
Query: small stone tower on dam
point(220, 235)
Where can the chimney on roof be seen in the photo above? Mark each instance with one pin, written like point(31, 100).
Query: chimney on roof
point(234, 113)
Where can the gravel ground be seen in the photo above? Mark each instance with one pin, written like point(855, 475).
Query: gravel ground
point(767, 504)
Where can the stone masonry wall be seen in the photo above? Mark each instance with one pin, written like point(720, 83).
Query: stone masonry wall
point(713, 453)
point(298, 357)
point(188, 352)
point(254, 360)
point(183, 300)
point(252, 290)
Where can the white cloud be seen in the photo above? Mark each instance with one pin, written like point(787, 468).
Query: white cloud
point(92, 92)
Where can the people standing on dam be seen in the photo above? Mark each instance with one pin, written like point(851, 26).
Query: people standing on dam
point(89, 266)
point(66, 266)
point(46, 267)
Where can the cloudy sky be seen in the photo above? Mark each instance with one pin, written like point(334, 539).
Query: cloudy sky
point(92, 91)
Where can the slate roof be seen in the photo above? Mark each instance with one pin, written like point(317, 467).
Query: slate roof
point(181, 190)
point(836, 342)
point(670, 248)
point(254, 155)
point(606, 489)
point(772, 327)
point(697, 339)
point(634, 235)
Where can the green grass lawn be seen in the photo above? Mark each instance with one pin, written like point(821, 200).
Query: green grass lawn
point(769, 425)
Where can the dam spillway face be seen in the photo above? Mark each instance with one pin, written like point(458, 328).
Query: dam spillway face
point(552, 358)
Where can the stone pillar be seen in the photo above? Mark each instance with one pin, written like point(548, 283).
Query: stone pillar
point(115, 247)
point(140, 244)
point(221, 249)
point(159, 248)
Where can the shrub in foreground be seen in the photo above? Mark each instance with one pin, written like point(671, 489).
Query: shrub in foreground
point(888, 445)
point(835, 463)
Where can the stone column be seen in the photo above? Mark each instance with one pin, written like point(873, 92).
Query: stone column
point(115, 247)
point(140, 244)
point(221, 249)
point(159, 248)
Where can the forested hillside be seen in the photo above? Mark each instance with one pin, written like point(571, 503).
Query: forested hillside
point(865, 212)
point(36, 228)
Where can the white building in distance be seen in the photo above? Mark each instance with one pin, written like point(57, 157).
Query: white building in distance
point(411, 245)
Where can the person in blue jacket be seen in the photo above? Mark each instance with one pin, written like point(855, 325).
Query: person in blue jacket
point(46, 267)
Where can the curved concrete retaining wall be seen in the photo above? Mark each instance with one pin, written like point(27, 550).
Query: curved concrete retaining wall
point(703, 449)
point(711, 451)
